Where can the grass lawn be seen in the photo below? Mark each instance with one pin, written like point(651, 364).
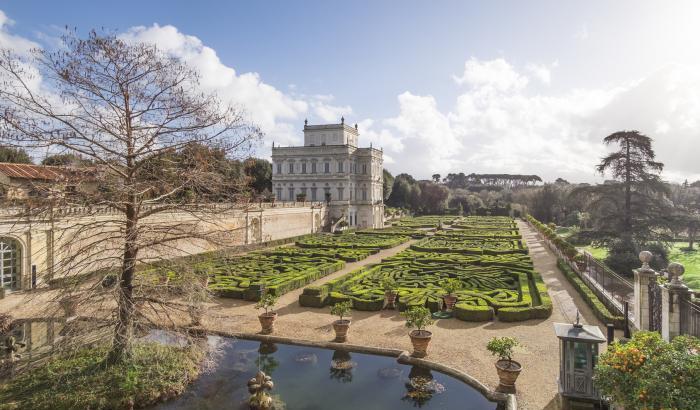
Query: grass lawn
point(82, 380)
point(691, 261)
point(598, 253)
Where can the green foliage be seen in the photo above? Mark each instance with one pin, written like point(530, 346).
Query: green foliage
point(14, 155)
point(452, 285)
point(592, 300)
point(341, 309)
point(267, 302)
point(352, 241)
point(550, 233)
point(418, 317)
point(259, 173)
point(649, 373)
point(503, 282)
point(65, 160)
point(502, 347)
point(389, 284)
point(84, 380)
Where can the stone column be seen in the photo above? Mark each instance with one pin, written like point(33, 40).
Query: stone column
point(672, 293)
point(642, 277)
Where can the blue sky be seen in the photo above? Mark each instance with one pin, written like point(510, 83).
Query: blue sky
point(449, 86)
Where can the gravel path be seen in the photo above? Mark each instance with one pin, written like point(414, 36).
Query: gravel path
point(455, 343)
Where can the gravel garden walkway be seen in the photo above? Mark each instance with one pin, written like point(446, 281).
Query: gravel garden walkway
point(455, 343)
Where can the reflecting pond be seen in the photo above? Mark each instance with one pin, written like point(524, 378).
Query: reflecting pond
point(307, 378)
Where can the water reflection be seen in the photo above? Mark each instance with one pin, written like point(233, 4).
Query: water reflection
point(28, 342)
point(421, 386)
point(313, 378)
point(341, 366)
point(266, 361)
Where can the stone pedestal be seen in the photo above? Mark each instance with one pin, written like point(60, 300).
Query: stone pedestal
point(672, 295)
point(642, 277)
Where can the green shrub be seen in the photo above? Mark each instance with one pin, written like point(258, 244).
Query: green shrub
point(599, 309)
point(502, 347)
point(84, 380)
point(471, 313)
point(649, 373)
point(418, 317)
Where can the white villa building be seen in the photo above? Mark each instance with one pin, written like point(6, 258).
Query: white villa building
point(330, 167)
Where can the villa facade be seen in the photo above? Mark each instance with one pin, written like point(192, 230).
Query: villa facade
point(331, 167)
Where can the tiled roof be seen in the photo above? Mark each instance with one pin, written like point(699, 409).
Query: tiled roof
point(29, 171)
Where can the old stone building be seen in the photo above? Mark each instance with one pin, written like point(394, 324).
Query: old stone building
point(331, 167)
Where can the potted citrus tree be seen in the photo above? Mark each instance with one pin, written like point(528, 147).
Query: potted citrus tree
point(450, 286)
point(389, 285)
point(341, 325)
point(419, 317)
point(267, 319)
point(507, 368)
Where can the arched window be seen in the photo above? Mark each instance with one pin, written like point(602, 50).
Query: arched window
point(10, 260)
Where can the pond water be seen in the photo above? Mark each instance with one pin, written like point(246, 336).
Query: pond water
point(308, 378)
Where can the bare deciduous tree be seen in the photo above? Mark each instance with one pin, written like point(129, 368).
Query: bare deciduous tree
point(160, 150)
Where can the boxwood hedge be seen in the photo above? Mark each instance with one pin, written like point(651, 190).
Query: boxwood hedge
point(497, 276)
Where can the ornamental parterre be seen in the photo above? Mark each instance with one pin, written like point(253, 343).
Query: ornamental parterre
point(495, 270)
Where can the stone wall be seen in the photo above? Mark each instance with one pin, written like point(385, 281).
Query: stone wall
point(55, 247)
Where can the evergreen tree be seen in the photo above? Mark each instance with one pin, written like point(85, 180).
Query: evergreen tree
point(14, 155)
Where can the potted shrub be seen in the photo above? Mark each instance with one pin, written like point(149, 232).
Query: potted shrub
point(267, 319)
point(341, 325)
point(507, 368)
point(389, 285)
point(451, 286)
point(419, 317)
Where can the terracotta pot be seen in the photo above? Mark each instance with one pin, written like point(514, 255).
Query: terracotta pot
point(508, 372)
point(69, 306)
point(420, 340)
point(450, 301)
point(341, 330)
point(390, 300)
point(267, 321)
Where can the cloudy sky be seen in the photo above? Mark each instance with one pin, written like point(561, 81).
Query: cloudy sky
point(451, 86)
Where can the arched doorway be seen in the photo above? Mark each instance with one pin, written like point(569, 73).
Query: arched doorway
point(10, 263)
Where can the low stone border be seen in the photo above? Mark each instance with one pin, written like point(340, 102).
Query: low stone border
point(507, 400)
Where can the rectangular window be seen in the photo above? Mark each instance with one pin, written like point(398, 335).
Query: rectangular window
point(364, 168)
point(291, 194)
point(364, 194)
point(340, 167)
point(313, 167)
point(279, 168)
point(279, 194)
point(340, 194)
point(327, 194)
point(303, 167)
point(313, 194)
point(327, 167)
point(291, 168)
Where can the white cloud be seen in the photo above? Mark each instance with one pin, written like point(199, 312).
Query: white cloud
point(18, 44)
point(265, 104)
point(500, 125)
point(494, 74)
point(541, 72)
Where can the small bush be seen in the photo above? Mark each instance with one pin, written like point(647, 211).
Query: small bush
point(83, 380)
point(470, 313)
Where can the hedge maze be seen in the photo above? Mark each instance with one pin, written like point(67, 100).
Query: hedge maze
point(281, 270)
point(429, 221)
point(352, 241)
point(494, 268)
